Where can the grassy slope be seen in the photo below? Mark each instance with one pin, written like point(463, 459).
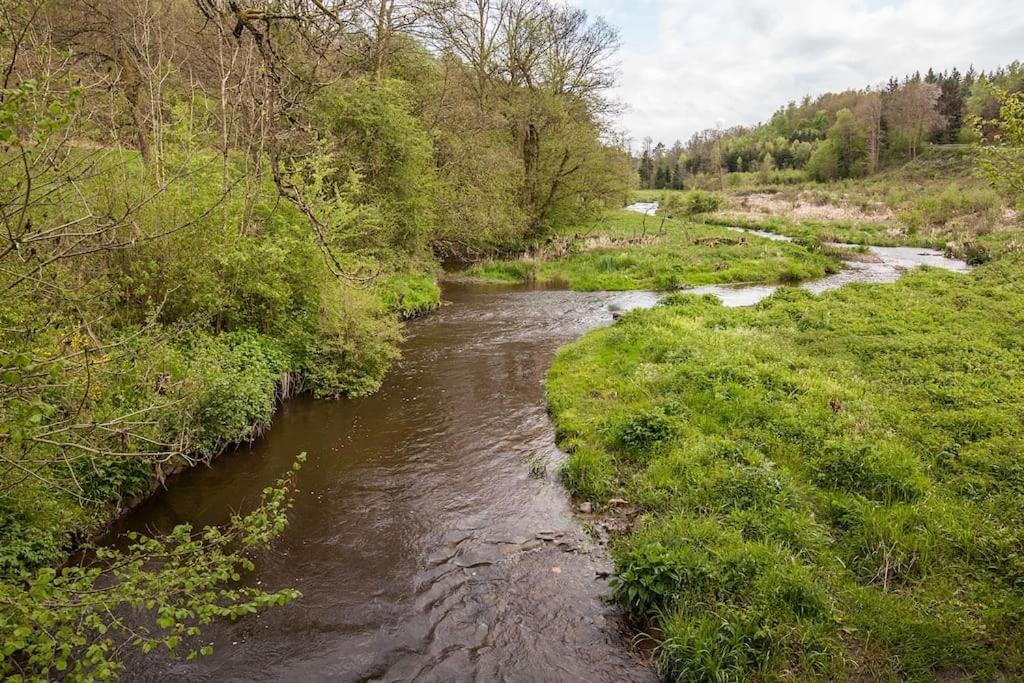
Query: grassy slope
point(828, 486)
point(683, 254)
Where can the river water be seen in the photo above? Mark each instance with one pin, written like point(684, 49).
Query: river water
point(424, 542)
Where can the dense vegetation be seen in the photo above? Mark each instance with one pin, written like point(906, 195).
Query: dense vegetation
point(820, 486)
point(943, 199)
point(850, 134)
point(206, 208)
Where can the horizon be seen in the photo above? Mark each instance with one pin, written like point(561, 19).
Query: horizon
point(770, 55)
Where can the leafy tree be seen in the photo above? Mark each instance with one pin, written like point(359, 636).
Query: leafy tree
point(912, 114)
point(850, 145)
point(1003, 160)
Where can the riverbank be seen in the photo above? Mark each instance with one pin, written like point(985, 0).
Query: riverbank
point(220, 390)
point(485, 571)
point(825, 485)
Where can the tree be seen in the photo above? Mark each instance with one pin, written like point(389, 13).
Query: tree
point(1003, 158)
point(850, 144)
point(869, 115)
point(912, 114)
point(767, 168)
point(951, 106)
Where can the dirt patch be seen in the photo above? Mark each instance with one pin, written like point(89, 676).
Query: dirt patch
point(560, 247)
point(804, 207)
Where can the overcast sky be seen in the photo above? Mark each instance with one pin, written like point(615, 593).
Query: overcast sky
point(687, 65)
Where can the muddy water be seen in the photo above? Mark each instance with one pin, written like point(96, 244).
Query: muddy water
point(424, 546)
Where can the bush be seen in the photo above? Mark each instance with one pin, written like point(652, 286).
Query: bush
point(650, 579)
point(698, 201)
point(235, 376)
point(354, 347)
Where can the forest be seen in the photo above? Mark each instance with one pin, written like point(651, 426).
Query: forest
point(849, 134)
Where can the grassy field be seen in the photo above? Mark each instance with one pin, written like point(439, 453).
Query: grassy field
point(630, 251)
point(818, 487)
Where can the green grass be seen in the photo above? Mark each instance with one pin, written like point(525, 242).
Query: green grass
point(828, 487)
point(411, 293)
point(675, 254)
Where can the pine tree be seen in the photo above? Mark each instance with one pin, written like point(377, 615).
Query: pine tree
point(646, 170)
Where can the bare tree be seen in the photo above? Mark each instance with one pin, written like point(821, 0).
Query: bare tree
point(869, 112)
point(912, 113)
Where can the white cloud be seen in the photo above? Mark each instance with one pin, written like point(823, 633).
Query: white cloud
point(689, 65)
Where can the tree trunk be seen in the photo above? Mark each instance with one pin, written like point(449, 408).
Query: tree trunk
point(139, 121)
point(531, 162)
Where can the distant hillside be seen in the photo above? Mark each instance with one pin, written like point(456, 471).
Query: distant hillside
point(842, 135)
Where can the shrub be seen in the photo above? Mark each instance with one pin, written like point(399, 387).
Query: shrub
point(235, 376)
point(651, 578)
point(698, 201)
point(354, 347)
point(114, 479)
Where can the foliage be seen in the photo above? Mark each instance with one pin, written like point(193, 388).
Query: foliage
point(838, 134)
point(1003, 161)
point(840, 495)
point(374, 135)
point(71, 623)
point(692, 203)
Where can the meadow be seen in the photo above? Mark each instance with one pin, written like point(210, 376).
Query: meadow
point(626, 250)
point(820, 486)
point(939, 200)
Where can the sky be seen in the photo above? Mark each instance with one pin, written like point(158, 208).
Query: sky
point(687, 65)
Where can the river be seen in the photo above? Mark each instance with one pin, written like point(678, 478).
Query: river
point(424, 542)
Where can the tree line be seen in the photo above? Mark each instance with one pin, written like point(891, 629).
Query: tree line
point(842, 135)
